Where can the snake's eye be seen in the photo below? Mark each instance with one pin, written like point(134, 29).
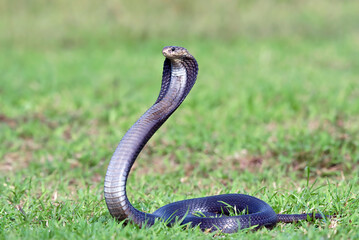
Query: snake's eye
point(173, 49)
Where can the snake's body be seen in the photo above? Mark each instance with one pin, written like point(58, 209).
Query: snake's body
point(179, 75)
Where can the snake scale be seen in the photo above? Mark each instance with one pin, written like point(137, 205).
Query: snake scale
point(179, 75)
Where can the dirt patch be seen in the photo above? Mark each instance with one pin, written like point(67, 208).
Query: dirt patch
point(244, 161)
point(9, 121)
point(14, 122)
point(19, 159)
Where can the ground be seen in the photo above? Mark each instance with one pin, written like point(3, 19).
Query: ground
point(273, 114)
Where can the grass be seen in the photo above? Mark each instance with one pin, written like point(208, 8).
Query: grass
point(273, 114)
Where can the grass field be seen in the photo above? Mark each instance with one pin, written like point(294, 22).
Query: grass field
point(274, 113)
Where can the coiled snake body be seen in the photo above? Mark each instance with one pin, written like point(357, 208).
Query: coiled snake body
point(179, 75)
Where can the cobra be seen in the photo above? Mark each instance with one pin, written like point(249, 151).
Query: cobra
point(179, 75)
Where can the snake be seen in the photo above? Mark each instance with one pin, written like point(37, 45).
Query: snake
point(213, 213)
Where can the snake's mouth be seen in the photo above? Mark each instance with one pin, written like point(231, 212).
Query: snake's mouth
point(174, 52)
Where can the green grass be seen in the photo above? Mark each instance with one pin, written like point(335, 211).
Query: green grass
point(273, 114)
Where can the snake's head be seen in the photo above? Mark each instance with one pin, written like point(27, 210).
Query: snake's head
point(173, 52)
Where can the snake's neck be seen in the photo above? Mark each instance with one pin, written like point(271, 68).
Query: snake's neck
point(135, 139)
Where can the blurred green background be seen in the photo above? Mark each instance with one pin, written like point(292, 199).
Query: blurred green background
point(71, 23)
point(274, 110)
